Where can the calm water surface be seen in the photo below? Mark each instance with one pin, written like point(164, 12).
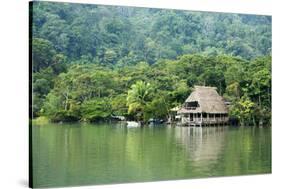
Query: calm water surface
point(83, 154)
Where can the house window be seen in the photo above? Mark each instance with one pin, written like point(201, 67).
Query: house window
point(191, 105)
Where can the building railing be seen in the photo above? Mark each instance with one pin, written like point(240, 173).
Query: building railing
point(211, 120)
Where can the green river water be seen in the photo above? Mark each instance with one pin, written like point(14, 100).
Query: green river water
point(85, 154)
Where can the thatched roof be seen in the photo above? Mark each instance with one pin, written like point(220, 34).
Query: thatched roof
point(208, 99)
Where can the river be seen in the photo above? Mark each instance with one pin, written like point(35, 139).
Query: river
point(85, 154)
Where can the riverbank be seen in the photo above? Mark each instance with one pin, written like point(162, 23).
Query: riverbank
point(42, 120)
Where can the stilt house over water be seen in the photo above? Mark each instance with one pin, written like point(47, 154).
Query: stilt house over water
point(203, 107)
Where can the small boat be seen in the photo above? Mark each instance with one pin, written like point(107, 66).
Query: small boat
point(119, 118)
point(155, 121)
point(133, 124)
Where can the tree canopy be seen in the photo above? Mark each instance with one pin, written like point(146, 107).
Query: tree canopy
point(90, 62)
point(128, 35)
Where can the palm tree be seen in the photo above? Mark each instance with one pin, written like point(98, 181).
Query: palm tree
point(138, 97)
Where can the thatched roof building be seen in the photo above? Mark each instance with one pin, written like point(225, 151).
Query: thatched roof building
point(204, 105)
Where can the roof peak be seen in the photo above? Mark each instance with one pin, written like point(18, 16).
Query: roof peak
point(207, 87)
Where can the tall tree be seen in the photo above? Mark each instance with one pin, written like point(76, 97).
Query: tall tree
point(138, 97)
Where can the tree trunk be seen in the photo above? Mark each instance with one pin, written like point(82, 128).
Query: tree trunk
point(268, 94)
point(254, 121)
point(66, 101)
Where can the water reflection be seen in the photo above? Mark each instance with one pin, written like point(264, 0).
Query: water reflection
point(96, 154)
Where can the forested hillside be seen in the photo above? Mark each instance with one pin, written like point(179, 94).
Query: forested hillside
point(87, 60)
point(126, 35)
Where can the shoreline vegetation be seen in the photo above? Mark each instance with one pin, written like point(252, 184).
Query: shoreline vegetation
point(91, 62)
point(42, 121)
point(92, 93)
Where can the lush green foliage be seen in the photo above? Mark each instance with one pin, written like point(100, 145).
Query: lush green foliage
point(91, 62)
point(127, 35)
point(138, 98)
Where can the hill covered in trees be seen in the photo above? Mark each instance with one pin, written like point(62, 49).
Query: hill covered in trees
point(88, 61)
point(127, 35)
